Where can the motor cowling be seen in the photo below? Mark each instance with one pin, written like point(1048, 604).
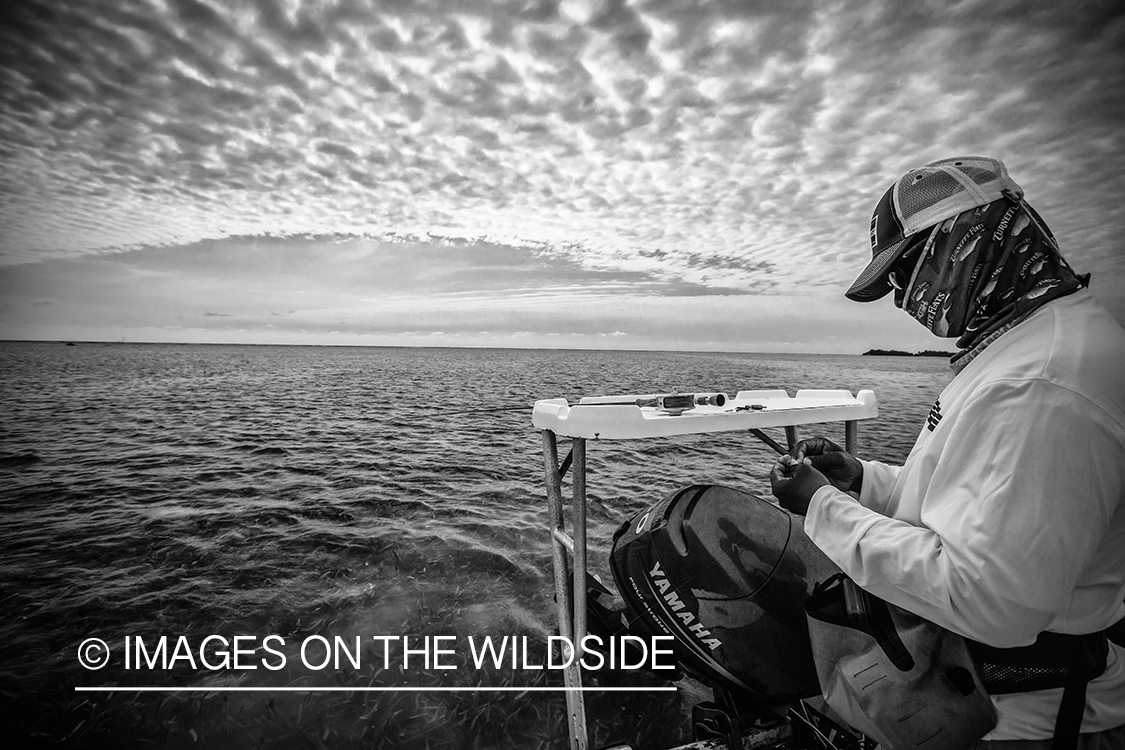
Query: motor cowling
point(727, 574)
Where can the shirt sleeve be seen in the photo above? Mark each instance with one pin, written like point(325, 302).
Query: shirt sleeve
point(1019, 499)
point(878, 483)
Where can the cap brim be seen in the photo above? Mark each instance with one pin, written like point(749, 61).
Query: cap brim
point(872, 284)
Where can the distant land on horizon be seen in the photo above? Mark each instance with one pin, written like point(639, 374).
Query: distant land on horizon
point(77, 342)
point(898, 353)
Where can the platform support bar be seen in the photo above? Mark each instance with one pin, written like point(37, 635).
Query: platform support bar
point(571, 609)
point(851, 436)
point(578, 534)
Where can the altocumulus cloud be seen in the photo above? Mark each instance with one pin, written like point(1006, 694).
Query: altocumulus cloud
point(478, 153)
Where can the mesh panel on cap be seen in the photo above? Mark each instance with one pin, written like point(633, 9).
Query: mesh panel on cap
point(978, 175)
point(984, 172)
point(933, 188)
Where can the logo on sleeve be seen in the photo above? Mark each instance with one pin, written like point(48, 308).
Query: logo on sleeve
point(935, 415)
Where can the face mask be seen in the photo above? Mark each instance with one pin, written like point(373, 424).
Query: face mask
point(935, 295)
point(902, 274)
point(984, 269)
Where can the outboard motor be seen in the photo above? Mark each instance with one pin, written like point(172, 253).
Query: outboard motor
point(727, 574)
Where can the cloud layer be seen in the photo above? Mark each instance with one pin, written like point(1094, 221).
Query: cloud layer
point(671, 147)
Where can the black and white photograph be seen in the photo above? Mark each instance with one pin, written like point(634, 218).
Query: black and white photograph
point(562, 374)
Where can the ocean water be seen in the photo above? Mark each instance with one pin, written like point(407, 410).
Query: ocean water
point(193, 491)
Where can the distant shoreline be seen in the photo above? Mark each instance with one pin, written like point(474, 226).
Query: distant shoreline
point(103, 343)
point(898, 353)
point(469, 347)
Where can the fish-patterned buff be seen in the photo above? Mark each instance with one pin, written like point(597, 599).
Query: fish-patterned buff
point(983, 271)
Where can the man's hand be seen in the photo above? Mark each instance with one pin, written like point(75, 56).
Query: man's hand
point(793, 483)
point(842, 469)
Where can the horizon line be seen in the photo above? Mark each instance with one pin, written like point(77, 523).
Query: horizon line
point(105, 342)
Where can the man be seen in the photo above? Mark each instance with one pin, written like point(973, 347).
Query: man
point(1007, 520)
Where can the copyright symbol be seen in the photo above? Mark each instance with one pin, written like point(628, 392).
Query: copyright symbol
point(93, 653)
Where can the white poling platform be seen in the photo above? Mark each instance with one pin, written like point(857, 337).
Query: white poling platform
point(619, 418)
point(591, 419)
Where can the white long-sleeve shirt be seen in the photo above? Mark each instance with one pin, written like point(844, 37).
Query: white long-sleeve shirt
point(1008, 517)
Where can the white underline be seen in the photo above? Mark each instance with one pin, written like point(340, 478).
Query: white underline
point(118, 689)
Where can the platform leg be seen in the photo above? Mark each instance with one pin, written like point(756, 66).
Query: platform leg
point(578, 532)
point(572, 676)
point(851, 436)
point(791, 436)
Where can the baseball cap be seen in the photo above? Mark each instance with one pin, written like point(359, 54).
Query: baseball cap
point(922, 198)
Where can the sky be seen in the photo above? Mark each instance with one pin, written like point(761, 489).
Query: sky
point(649, 174)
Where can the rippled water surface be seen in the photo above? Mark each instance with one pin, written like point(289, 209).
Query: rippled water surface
point(151, 490)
